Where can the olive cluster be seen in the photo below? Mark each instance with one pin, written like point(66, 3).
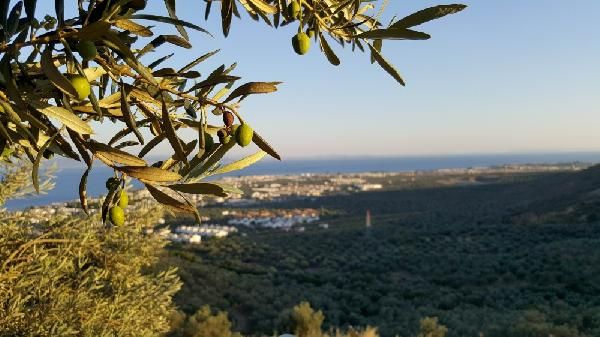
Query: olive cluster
point(116, 213)
point(241, 133)
point(300, 41)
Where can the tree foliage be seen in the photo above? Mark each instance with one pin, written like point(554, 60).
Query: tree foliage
point(204, 323)
point(307, 321)
point(69, 276)
point(60, 74)
point(430, 327)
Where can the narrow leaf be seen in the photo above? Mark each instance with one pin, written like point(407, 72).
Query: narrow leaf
point(110, 155)
point(226, 15)
point(149, 173)
point(170, 4)
point(386, 65)
point(197, 61)
point(394, 34)
point(83, 190)
point(169, 201)
point(30, 9)
point(199, 188)
point(212, 160)
point(50, 70)
point(331, 57)
point(263, 145)
point(240, 164)
point(151, 144)
point(127, 115)
point(59, 7)
point(167, 127)
point(13, 19)
point(38, 159)
point(428, 14)
point(65, 116)
point(133, 27)
point(172, 21)
point(264, 6)
point(253, 88)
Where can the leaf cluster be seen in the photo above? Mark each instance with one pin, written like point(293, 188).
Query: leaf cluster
point(60, 77)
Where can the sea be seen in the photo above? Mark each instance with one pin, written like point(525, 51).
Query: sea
point(67, 178)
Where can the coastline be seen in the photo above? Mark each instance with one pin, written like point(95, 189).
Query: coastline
point(68, 178)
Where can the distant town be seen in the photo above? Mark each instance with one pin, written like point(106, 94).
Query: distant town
point(238, 211)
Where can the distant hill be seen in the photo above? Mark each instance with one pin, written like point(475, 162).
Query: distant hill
point(568, 197)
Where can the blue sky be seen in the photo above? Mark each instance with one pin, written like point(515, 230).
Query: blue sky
point(501, 76)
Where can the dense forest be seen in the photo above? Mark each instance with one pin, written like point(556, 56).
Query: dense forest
point(514, 258)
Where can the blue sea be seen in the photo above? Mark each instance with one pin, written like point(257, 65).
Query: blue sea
point(67, 178)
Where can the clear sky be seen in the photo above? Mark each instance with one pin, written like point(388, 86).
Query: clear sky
point(501, 76)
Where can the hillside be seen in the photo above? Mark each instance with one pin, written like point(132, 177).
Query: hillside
point(466, 254)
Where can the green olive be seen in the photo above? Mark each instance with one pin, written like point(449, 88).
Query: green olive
point(301, 43)
point(117, 216)
point(209, 142)
point(234, 128)
point(243, 135)
point(123, 199)
point(82, 86)
point(87, 50)
point(294, 9)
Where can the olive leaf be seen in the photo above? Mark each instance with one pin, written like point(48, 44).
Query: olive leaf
point(199, 60)
point(226, 15)
point(133, 27)
point(213, 81)
point(170, 4)
point(79, 145)
point(169, 201)
point(36, 164)
point(428, 14)
point(93, 73)
point(30, 9)
point(386, 65)
point(264, 6)
point(50, 70)
point(331, 57)
point(160, 60)
point(394, 34)
point(240, 164)
point(167, 127)
point(13, 19)
point(212, 160)
point(200, 188)
point(378, 45)
point(112, 156)
point(127, 115)
point(59, 7)
point(65, 116)
point(172, 21)
point(263, 145)
point(151, 144)
point(83, 190)
point(94, 30)
point(149, 173)
point(253, 88)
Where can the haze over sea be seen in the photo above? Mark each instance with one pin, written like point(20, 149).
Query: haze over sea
point(67, 178)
